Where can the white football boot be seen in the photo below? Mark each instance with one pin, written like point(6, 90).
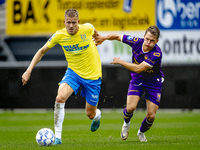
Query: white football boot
point(125, 131)
point(141, 136)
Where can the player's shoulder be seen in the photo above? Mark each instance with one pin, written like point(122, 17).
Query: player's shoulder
point(61, 31)
point(57, 35)
point(156, 51)
point(133, 39)
point(86, 26)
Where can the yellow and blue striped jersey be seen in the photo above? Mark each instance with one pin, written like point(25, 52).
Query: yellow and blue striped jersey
point(80, 51)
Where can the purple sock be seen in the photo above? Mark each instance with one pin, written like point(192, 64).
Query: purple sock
point(146, 125)
point(127, 116)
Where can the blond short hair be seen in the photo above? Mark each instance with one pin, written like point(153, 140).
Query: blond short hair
point(71, 13)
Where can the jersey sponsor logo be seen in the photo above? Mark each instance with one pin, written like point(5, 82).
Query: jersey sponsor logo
point(95, 96)
point(67, 39)
point(75, 48)
point(149, 71)
point(178, 14)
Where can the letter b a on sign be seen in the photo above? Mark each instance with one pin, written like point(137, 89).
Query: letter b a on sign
point(18, 14)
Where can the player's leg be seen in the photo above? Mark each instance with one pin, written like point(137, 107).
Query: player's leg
point(152, 98)
point(69, 84)
point(91, 90)
point(135, 91)
point(132, 101)
point(148, 120)
point(95, 114)
point(64, 91)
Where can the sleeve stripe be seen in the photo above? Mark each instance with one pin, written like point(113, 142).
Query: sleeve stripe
point(122, 38)
point(148, 64)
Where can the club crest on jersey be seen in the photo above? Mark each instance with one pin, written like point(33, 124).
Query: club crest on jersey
point(83, 36)
point(158, 97)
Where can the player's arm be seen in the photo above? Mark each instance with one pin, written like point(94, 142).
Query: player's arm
point(37, 57)
point(94, 36)
point(132, 67)
point(100, 38)
point(95, 33)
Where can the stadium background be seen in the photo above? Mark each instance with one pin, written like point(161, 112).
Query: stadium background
point(25, 25)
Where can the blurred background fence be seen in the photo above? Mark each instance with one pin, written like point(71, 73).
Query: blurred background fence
point(26, 25)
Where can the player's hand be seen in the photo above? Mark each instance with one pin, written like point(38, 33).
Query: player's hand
point(116, 60)
point(25, 77)
point(98, 39)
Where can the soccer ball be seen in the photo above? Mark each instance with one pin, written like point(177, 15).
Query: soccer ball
point(45, 137)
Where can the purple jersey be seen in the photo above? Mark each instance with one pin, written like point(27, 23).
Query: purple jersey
point(152, 58)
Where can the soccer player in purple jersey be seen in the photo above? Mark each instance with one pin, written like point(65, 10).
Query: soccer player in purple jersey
point(146, 76)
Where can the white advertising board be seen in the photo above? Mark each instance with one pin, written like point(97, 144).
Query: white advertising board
point(178, 47)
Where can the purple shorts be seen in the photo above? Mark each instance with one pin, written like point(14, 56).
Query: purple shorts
point(152, 93)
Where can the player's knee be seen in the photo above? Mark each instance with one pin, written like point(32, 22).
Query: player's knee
point(130, 109)
point(151, 117)
point(60, 99)
point(90, 114)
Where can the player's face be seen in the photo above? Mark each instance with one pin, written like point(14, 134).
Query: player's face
point(71, 24)
point(149, 41)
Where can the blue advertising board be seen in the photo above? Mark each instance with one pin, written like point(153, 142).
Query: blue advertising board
point(178, 14)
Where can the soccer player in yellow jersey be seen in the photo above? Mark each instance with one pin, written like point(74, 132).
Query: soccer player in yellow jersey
point(84, 69)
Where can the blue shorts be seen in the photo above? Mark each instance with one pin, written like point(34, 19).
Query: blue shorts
point(90, 88)
point(152, 94)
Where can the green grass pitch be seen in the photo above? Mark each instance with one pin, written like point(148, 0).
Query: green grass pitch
point(171, 130)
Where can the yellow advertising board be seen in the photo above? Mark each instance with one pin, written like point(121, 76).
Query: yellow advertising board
point(43, 17)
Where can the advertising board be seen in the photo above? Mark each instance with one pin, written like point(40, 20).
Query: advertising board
point(44, 17)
